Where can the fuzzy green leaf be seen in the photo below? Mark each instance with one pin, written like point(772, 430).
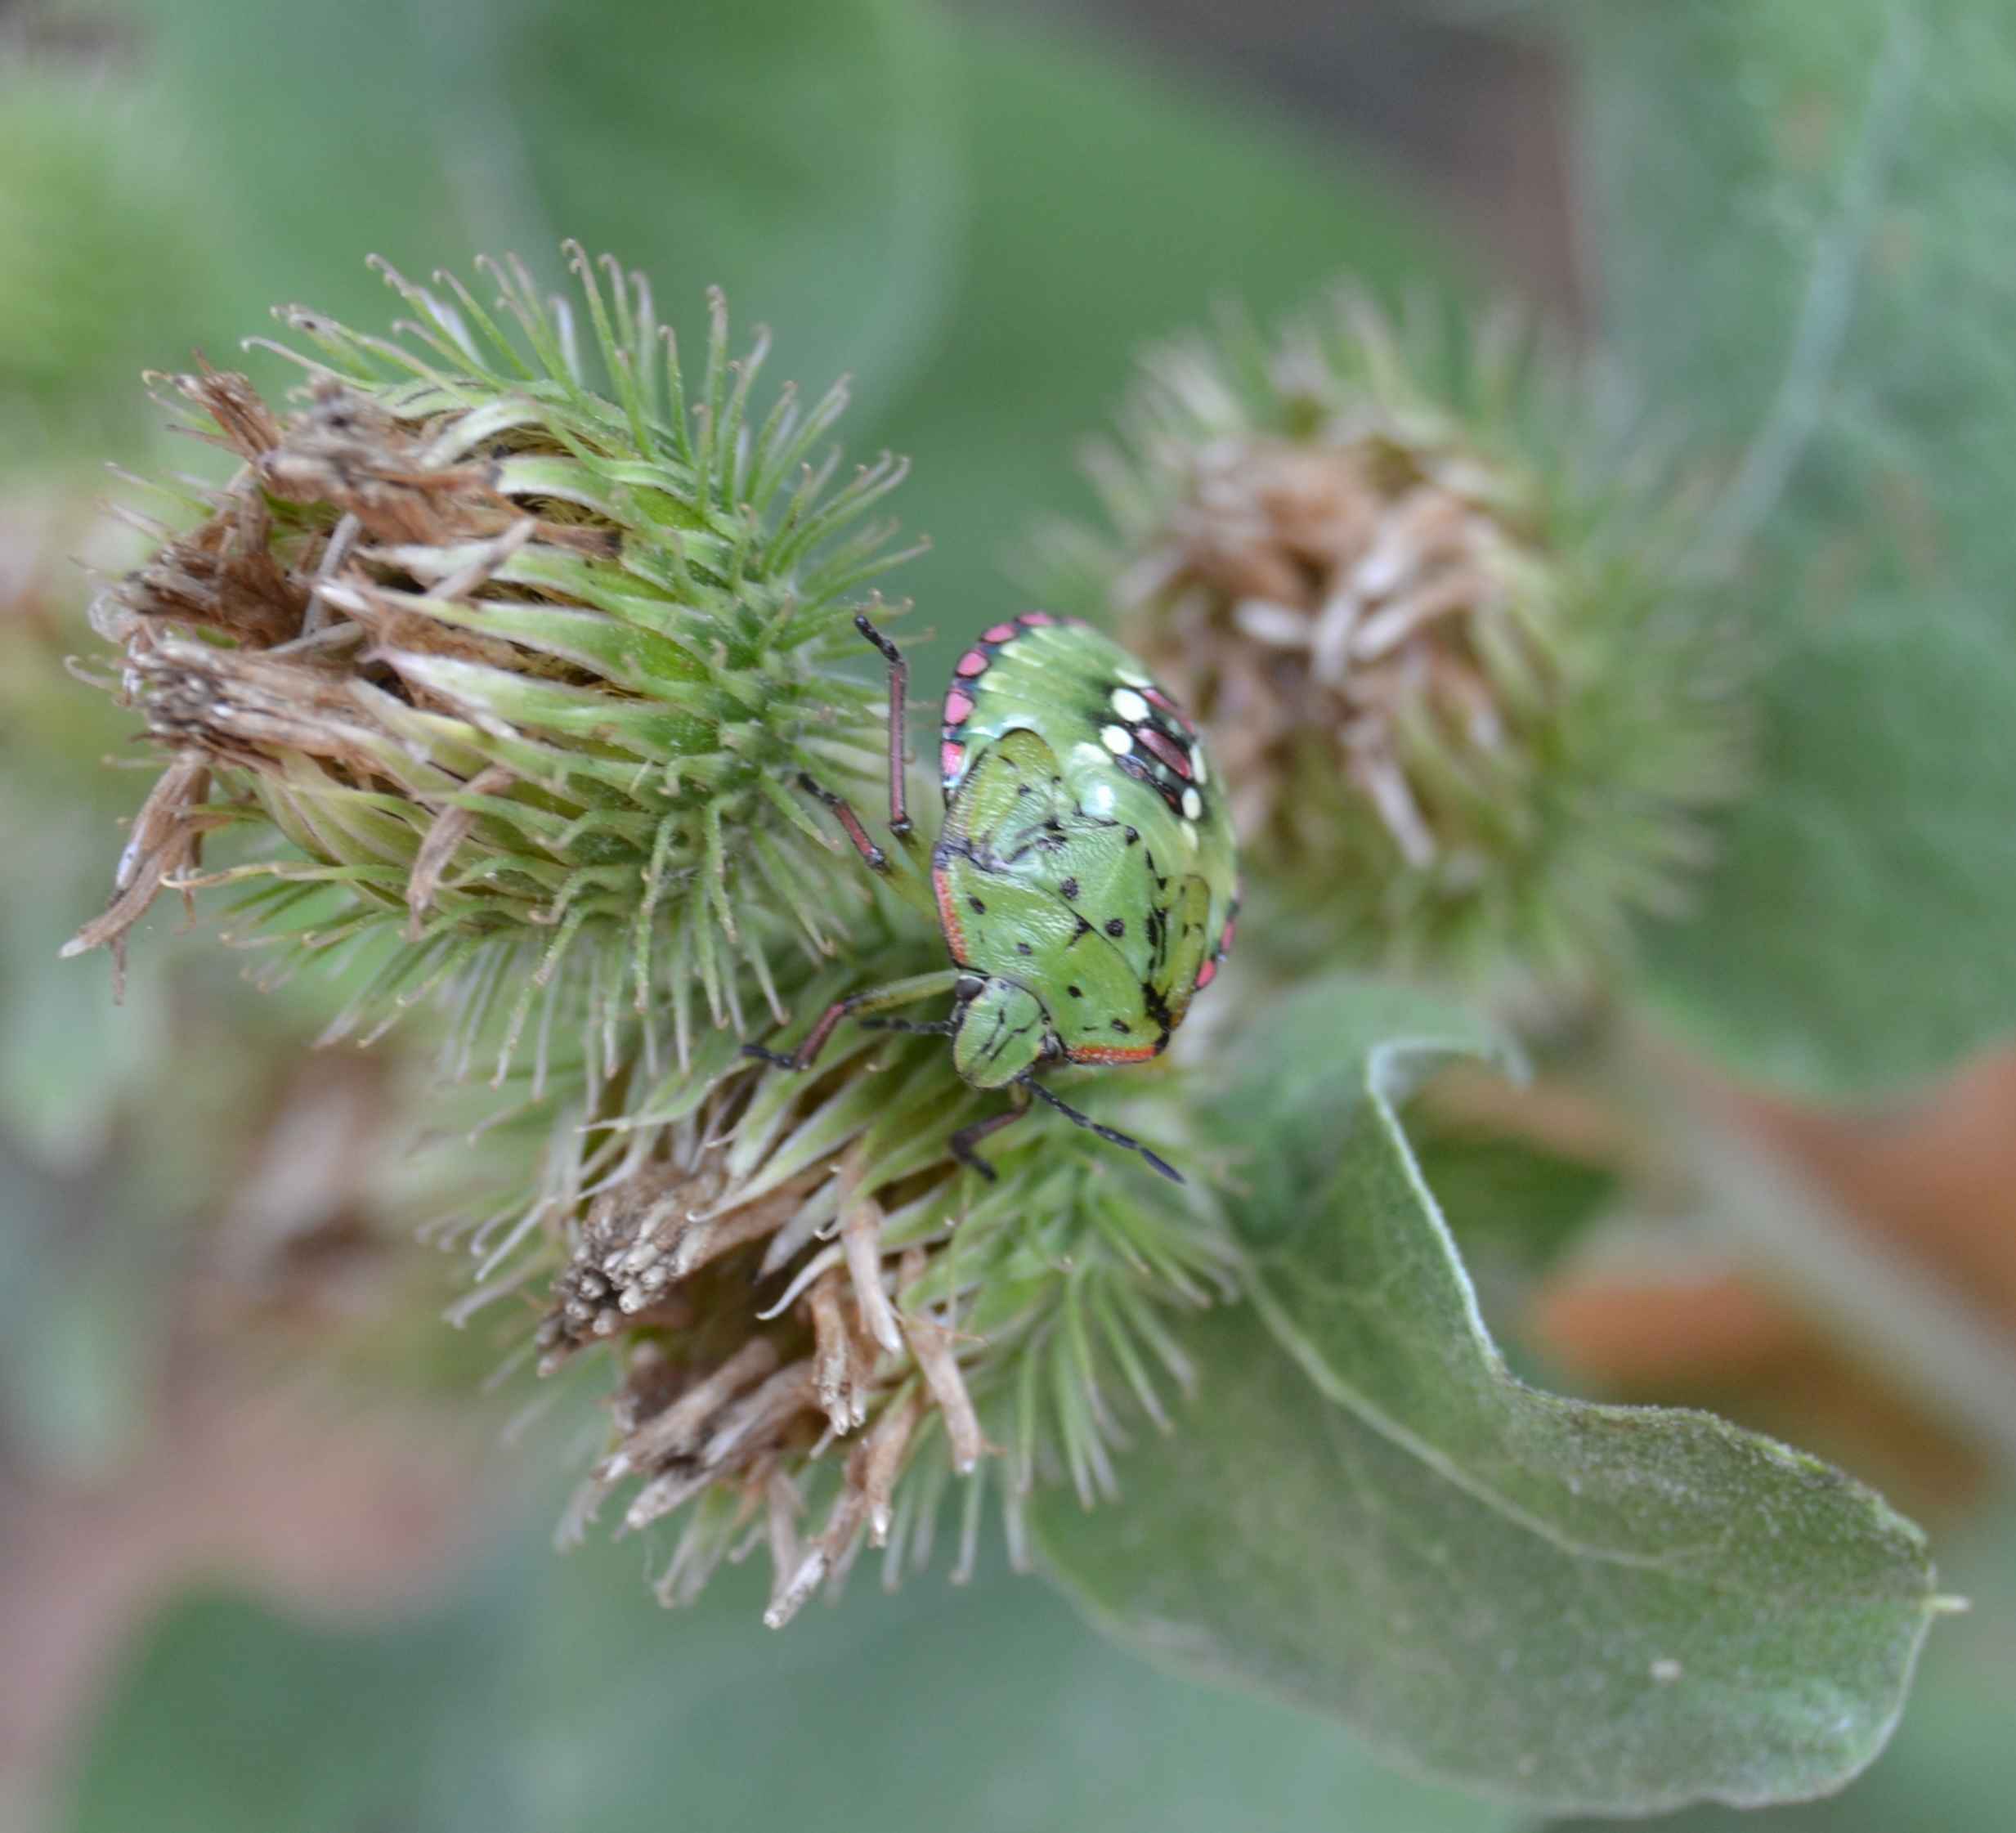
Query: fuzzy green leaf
point(1949, 1765)
point(1802, 213)
point(1575, 1606)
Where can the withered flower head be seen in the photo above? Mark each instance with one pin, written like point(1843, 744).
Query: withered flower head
point(821, 1326)
point(1437, 635)
point(513, 676)
point(503, 687)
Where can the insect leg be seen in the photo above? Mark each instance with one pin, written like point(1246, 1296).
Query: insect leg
point(876, 999)
point(911, 885)
point(962, 1142)
point(850, 823)
point(898, 711)
point(1112, 1136)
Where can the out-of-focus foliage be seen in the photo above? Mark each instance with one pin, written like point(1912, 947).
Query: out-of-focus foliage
point(1106, 208)
point(67, 1054)
point(94, 254)
point(79, 1321)
point(544, 1697)
point(1801, 217)
point(799, 157)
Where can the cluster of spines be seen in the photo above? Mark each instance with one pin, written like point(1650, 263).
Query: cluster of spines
point(1614, 718)
point(1005, 1332)
point(665, 640)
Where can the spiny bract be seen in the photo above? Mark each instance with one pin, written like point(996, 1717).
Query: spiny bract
point(1425, 588)
point(510, 664)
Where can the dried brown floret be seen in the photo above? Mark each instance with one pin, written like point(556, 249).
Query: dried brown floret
point(1471, 714)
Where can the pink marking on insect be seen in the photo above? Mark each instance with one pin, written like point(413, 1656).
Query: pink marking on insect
point(1225, 941)
point(998, 633)
point(950, 755)
point(1036, 618)
point(970, 664)
point(1156, 698)
point(958, 705)
point(1206, 975)
point(1170, 753)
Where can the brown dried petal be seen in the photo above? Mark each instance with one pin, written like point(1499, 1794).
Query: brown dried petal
point(221, 577)
point(166, 839)
point(230, 399)
point(451, 828)
point(675, 1431)
point(348, 451)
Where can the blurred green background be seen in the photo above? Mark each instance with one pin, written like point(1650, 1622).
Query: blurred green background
point(262, 1565)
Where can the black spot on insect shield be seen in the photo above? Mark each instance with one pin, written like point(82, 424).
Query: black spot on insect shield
point(1076, 992)
point(1121, 1026)
point(1024, 948)
point(979, 909)
point(1116, 927)
point(1069, 888)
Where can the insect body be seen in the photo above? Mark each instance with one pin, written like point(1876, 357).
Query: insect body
point(1083, 876)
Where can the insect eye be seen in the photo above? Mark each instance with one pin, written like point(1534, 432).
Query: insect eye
point(967, 987)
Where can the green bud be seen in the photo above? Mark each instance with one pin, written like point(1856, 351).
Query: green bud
point(521, 673)
point(824, 1329)
point(1436, 626)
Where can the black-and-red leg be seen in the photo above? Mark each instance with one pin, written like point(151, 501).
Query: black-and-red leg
point(843, 812)
point(877, 999)
point(899, 723)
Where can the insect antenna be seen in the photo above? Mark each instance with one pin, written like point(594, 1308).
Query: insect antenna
point(1112, 1136)
point(923, 1028)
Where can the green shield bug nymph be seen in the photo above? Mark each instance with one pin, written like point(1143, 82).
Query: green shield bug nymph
point(1084, 876)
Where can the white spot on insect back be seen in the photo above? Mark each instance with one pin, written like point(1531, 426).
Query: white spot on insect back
point(1193, 804)
point(1117, 739)
point(1129, 706)
point(1096, 781)
point(1199, 774)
